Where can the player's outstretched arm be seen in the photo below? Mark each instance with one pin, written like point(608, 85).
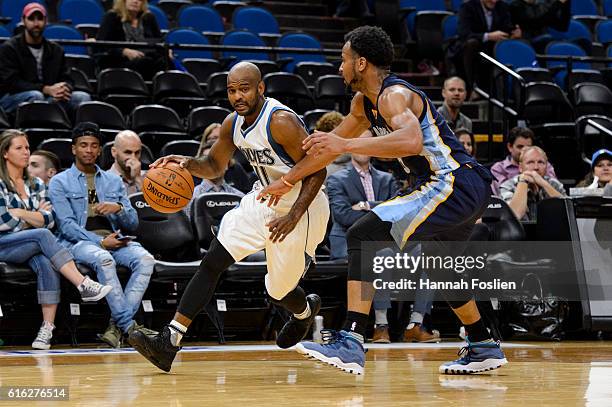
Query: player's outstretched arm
point(215, 163)
point(287, 130)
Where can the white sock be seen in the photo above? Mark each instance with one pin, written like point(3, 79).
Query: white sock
point(416, 318)
point(381, 317)
point(48, 325)
point(177, 330)
point(305, 314)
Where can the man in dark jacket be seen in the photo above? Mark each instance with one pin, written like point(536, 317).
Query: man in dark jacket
point(481, 24)
point(33, 68)
point(534, 17)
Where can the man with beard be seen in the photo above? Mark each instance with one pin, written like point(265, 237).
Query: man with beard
point(126, 151)
point(33, 68)
point(451, 192)
point(270, 136)
point(454, 94)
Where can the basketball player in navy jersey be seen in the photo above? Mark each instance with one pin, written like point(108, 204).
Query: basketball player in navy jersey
point(452, 192)
point(270, 135)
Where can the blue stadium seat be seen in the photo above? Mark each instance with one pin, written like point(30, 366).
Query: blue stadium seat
point(420, 5)
point(4, 32)
point(565, 48)
point(299, 40)
point(584, 8)
point(255, 20)
point(201, 18)
point(81, 12)
point(607, 8)
point(575, 30)
point(604, 32)
point(188, 36)
point(449, 27)
point(517, 53)
point(65, 32)
point(243, 38)
point(160, 16)
point(13, 9)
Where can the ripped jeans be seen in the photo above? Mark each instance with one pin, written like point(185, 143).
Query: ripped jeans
point(123, 303)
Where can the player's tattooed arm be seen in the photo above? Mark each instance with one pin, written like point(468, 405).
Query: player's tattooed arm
point(288, 131)
point(215, 163)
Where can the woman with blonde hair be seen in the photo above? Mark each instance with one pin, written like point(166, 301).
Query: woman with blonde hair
point(26, 217)
point(131, 21)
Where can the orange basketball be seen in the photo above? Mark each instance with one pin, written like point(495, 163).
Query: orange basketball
point(167, 189)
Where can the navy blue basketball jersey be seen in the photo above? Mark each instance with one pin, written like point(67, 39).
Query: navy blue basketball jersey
point(442, 153)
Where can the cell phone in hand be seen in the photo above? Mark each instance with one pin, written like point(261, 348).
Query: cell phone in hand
point(121, 238)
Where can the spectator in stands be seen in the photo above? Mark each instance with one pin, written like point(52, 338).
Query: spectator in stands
point(454, 94)
point(534, 17)
point(481, 24)
point(92, 211)
point(601, 168)
point(131, 21)
point(518, 138)
point(211, 134)
point(327, 123)
point(26, 217)
point(44, 165)
point(525, 190)
point(210, 185)
point(126, 152)
point(466, 138)
point(33, 68)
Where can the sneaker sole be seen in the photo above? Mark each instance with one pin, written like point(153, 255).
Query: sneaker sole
point(140, 348)
point(41, 346)
point(314, 313)
point(108, 342)
point(474, 367)
point(103, 293)
point(352, 368)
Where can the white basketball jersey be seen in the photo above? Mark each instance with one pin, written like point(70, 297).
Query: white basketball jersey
point(268, 158)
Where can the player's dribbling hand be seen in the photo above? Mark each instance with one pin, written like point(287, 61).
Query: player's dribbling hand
point(281, 227)
point(320, 143)
point(273, 193)
point(181, 160)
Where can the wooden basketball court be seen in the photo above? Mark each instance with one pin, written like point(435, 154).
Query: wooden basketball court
point(543, 374)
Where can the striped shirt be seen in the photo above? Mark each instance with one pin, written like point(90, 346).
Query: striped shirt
point(37, 192)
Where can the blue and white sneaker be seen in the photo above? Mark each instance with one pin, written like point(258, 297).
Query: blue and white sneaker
point(475, 358)
point(338, 349)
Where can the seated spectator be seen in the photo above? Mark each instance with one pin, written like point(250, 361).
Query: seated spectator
point(44, 165)
point(481, 24)
point(466, 138)
point(454, 94)
point(326, 123)
point(525, 190)
point(601, 172)
point(26, 217)
point(210, 185)
point(33, 68)
point(518, 138)
point(126, 151)
point(211, 134)
point(92, 211)
point(131, 21)
point(535, 17)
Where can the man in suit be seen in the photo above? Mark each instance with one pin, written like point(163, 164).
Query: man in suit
point(481, 24)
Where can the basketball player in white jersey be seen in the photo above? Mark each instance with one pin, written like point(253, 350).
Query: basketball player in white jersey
point(270, 135)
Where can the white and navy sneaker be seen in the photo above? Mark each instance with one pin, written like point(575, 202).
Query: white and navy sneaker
point(475, 358)
point(338, 349)
point(92, 291)
point(43, 339)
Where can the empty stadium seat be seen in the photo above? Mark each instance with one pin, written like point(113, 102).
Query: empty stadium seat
point(584, 7)
point(299, 40)
point(592, 98)
point(449, 27)
point(559, 141)
point(420, 5)
point(4, 32)
point(80, 80)
point(501, 222)
point(607, 8)
point(577, 33)
point(429, 34)
point(65, 32)
point(186, 36)
point(106, 157)
point(332, 88)
point(188, 148)
point(105, 115)
point(289, 89)
point(312, 116)
point(202, 68)
point(256, 20)
point(207, 211)
point(156, 125)
point(201, 117)
point(577, 76)
point(80, 12)
point(565, 49)
point(83, 63)
point(245, 39)
point(41, 120)
point(13, 10)
point(590, 138)
point(123, 88)
point(515, 53)
point(62, 147)
point(311, 71)
point(172, 7)
point(216, 88)
point(604, 32)
point(201, 18)
point(178, 90)
point(545, 102)
point(160, 16)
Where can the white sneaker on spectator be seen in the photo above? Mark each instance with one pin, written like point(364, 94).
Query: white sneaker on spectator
point(43, 339)
point(92, 290)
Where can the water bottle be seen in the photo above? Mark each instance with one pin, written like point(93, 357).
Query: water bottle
point(316, 330)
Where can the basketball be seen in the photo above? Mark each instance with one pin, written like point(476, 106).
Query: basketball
point(168, 189)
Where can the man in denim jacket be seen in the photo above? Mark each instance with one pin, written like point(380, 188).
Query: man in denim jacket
point(92, 210)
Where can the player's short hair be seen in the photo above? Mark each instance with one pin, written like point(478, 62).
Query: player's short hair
point(517, 132)
point(52, 160)
point(329, 121)
point(372, 43)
